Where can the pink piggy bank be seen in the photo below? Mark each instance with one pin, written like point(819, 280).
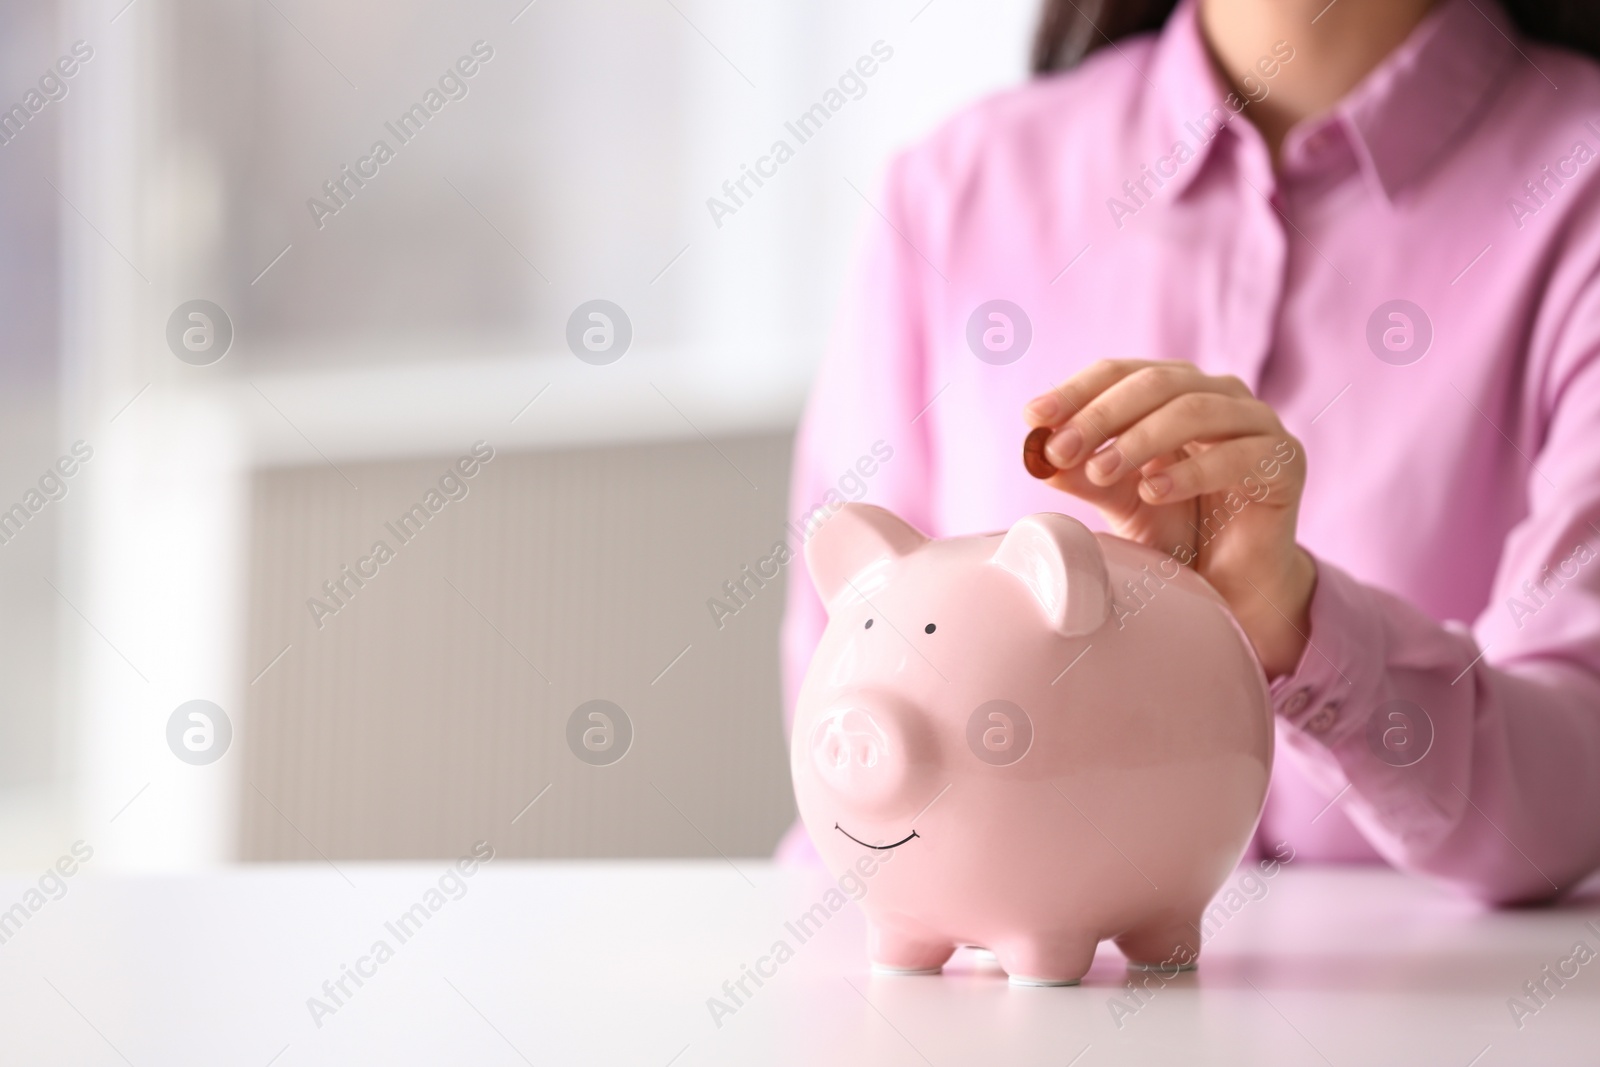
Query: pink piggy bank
point(1057, 737)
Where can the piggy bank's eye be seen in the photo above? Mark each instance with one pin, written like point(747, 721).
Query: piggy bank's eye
point(868, 626)
point(928, 629)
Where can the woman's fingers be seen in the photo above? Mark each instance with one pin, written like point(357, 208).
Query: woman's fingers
point(1202, 417)
point(1184, 432)
point(1117, 502)
point(1256, 464)
point(1115, 397)
point(1106, 394)
point(1067, 399)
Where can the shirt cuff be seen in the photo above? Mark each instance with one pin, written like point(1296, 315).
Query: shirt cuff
point(1342, 666)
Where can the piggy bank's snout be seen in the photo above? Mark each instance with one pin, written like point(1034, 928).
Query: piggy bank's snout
point(865, 753)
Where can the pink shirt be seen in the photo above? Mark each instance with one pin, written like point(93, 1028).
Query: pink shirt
point(1453, 503)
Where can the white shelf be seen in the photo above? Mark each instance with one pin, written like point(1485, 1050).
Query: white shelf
point(440, 407)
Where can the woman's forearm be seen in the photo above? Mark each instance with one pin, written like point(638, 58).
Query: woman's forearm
point(1479, 769)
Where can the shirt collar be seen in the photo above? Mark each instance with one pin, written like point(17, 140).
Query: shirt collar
point(1400, 119)
point(1408, 111)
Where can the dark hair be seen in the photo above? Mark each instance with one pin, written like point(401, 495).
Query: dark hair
point(1071, 29)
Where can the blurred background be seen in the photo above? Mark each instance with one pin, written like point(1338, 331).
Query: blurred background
point(372, 315)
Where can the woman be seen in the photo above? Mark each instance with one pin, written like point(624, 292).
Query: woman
point(1362, 237)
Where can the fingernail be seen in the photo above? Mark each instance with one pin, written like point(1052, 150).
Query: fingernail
point(1158, 485)
point(1064, 447)
point(1105, 464)
point(1045, 407)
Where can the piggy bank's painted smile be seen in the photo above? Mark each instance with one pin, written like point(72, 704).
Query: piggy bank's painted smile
point(880, 848)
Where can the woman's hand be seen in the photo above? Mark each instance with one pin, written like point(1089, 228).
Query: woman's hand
point(1194, 466)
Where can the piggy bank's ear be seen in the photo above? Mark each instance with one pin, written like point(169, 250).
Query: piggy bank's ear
point(857, 539)
point(1062, 565)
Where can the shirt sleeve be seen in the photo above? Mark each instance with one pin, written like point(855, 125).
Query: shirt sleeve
point(861, 436)
point(1473, 754)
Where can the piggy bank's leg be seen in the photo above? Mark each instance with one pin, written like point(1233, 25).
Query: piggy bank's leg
point(893, 952)
point(1169, 943)
point(1048, 959)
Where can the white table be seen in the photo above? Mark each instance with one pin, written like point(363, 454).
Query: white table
point(614, 962)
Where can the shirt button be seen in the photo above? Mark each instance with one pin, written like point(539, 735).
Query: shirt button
point(1319, 142)
point(1323, 720)
point(1297, 701)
